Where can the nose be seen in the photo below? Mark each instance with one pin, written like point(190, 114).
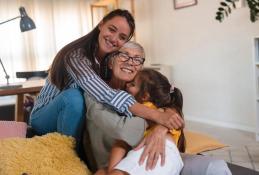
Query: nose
point(130, 61)
point(114, 39)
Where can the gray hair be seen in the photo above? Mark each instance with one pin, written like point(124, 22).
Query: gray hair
point(131, 45)
point(134, 45)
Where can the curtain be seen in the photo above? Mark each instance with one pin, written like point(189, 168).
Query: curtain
point(58, 22)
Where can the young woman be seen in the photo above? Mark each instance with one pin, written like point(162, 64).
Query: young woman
point(75, 70)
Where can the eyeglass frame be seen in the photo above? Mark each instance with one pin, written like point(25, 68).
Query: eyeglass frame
point(132, 58)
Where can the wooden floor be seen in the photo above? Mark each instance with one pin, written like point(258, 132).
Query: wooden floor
point(243, 149)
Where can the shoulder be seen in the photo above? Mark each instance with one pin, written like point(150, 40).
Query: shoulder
point(78, 54)
point(150, 105)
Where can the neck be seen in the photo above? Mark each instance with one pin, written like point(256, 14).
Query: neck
point(116, 84)
point(100, 56)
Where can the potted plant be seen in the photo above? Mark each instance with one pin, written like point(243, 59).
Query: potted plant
point(226, 7)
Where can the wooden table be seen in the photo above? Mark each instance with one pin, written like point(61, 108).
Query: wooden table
point(20, 91)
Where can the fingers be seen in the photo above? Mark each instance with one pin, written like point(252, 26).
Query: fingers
point(173, 120)
point(152, 160)
point(144, 154)
point(162, 154)
point(178, 122)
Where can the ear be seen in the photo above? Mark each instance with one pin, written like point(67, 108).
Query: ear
point(110, 63)
point(100, 25)
point(146, 97)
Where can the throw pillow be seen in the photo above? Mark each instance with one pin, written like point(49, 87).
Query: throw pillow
point(49, 154)
point(12, 129)
point(197, 142)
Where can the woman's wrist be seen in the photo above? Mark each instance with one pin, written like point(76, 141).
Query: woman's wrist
point(162, 129)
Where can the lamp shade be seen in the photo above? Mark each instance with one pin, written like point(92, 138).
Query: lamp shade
point(26, 22)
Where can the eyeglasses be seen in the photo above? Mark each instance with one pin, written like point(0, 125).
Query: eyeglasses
point(136, 61)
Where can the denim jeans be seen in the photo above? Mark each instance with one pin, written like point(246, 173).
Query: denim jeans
point(64, 114)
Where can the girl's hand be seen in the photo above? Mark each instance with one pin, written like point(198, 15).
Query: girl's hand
point(170, 119)
point(154, 144)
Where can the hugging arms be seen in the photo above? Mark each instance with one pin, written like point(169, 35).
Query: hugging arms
point(105, 127)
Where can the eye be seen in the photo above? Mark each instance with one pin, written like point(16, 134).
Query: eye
point(123, 38)
point(124, 56)
point(112, 30)
point(131, 84)
point(138, 60)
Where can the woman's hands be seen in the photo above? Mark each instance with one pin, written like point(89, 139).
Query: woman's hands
point(154, 143)
point(170, 119)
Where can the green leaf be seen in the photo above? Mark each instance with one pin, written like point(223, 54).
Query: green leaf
point(234, 5)
point(218, 18)
point(223, 4)
point(229, 10)
point(221, 9)
point(226, 13)
point(219, 13)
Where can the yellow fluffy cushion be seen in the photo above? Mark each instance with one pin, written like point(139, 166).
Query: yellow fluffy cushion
point(51, 154)
point(197, 142)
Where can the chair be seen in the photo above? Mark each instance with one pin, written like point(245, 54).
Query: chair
point(30, 98)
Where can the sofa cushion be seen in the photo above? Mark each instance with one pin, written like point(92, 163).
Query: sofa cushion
point(49, 154)
point(12, 129)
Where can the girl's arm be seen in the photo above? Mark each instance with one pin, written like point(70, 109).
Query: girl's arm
point(119, 150)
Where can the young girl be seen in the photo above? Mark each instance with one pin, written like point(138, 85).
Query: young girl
point(152, 89)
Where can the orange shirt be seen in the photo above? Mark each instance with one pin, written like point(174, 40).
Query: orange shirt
point(175, 134)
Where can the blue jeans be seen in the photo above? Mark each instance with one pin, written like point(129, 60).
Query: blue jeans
point(64, 114)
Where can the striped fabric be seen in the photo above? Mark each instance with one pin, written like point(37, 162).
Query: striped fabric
point(90, 82)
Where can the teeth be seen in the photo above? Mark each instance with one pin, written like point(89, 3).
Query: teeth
point(126, 70)
point(108, 43)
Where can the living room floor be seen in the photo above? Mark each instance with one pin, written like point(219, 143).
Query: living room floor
point(243, 149)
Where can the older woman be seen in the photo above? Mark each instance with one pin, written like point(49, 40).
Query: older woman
point(105, 126)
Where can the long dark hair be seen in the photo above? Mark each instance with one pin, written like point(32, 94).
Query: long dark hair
point(89, 45)
point(161, 94)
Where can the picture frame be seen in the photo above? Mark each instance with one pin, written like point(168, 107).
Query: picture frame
point(178, 4)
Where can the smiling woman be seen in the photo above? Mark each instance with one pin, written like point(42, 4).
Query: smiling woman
point(74, 71)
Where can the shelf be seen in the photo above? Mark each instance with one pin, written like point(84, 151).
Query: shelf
point(256, 73)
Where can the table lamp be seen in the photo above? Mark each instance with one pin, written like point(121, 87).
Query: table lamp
point(26, 24)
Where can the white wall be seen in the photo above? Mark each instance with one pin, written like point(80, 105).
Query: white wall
point(212, 62)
